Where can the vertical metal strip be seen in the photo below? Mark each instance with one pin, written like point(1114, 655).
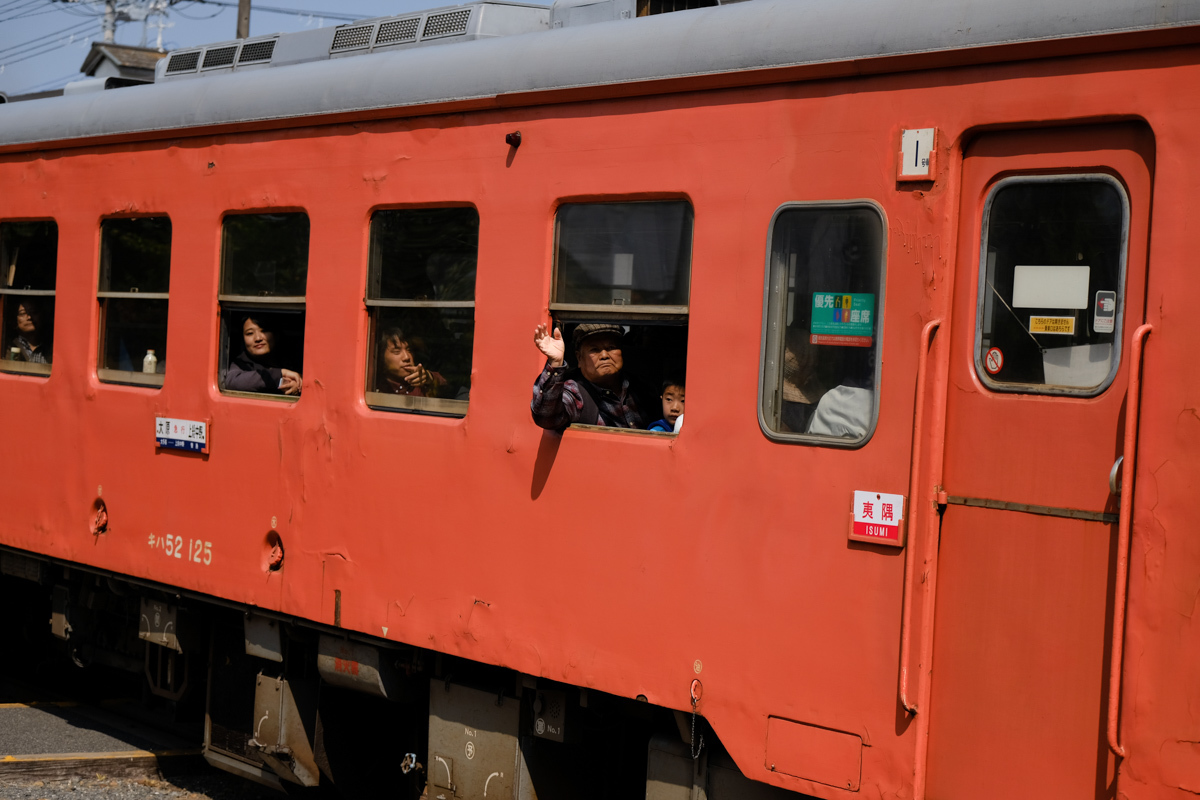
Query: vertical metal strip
point(1132, 405)
point(927, 334)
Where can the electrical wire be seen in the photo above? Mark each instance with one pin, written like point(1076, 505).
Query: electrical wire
point(49, 85)
point(27, 14)
point(293, 11)
point(49, 48)
point(13, 4)
point(38, 41)
point(35, 43)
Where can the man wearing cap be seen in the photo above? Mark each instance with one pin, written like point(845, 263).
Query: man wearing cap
point(596, 393)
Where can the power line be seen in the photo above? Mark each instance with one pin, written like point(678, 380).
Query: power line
point(293, 11)
point(33, 44)
point(27, 14)
point(48, 85)
point(9, 5)
point(50, 47)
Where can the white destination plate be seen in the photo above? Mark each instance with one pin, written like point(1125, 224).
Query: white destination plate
point(181, 434)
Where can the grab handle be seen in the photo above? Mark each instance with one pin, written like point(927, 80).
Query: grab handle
point(1133, 401)
point(910, 552)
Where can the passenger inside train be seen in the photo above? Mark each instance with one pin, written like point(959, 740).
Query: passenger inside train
point(258, 368)
point(399, 372)
point(29, 344)
point(672, 407)
point(827, 289)
point(421, 303)
point(28, 268)
point(596, 391)
point(264, 277)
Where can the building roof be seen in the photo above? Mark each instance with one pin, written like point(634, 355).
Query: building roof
point(121, 55)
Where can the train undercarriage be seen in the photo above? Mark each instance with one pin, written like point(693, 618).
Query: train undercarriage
point(305, 708)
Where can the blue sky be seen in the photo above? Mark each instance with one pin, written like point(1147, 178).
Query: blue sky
point(43, 42)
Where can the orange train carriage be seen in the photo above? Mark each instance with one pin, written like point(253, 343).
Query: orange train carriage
point(936, 259)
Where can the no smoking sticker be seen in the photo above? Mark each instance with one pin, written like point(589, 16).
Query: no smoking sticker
point(993, 362)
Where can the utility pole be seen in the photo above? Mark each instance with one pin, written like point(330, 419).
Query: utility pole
point(110, 20)
point(243, 25)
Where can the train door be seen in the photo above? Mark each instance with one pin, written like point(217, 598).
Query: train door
point(1049, 289)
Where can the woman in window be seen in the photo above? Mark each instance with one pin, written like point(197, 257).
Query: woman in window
point(257, 368)
point(32, 345)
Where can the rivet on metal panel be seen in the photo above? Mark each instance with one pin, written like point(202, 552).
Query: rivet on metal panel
point(697, 666)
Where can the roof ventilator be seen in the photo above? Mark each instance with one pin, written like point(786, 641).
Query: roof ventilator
point(257, 51)
point(452, 23)
point(219, 57)
point(396, 31)
point(352, 38)
point(183, 62)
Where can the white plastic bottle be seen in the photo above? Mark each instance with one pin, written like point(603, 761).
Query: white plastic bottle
point(150, 363)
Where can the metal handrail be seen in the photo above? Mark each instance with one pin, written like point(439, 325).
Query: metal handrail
point(927, 333)
point(1132, 404)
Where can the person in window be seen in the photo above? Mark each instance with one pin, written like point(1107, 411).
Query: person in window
point(672, 407)
point(398, 372)
point(802, 385)
point(30, 341)
point(594, 393)
point(256, 369)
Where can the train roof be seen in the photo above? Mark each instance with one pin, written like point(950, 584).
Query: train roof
point(725, 41)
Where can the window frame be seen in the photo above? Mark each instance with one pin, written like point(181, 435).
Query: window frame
point(1050, 390)
point(772, 341)
point(268, 304)
point(382, 401)
point(117, 376)
point(28, 368)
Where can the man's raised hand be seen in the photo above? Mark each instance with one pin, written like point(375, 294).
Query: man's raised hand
point(553, 347)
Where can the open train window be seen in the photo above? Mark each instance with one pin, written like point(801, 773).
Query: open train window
point(822, 323)
point(1051, 284)
point(135, 274)
point(628, 265)
point(264, 274)
point(28, 266)
point(421, 299)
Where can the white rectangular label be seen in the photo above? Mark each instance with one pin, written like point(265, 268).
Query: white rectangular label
point(1050, 287)
point(916, 149)
point(878, 508)
point(181, 434)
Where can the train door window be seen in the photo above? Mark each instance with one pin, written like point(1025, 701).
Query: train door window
point(629, 264)
point(264, 275)
point(135, 273)
point(28, 266)
point(421, 300)
point(1051, 284)
point(822, 324)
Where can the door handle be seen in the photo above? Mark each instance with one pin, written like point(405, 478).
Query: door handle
point(910, 553)
point(1114, 476)
point(1124, 524)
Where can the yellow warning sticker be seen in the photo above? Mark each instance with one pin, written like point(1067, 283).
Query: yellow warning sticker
point(1065, 325)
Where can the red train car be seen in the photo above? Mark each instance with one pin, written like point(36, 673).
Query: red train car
point(925, 534)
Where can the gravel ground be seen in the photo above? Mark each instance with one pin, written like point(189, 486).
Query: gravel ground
point(212, 786)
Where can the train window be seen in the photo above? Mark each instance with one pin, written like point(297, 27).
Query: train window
point(628, 264)
point(824, 298)
point(135, 272)
point(421, 300)
point(264, 274)
point(1051, 283)
point(28, 266)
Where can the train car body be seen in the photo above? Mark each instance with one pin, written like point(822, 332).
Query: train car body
point(1033, 636)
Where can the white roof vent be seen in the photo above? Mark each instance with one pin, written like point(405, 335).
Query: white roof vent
point(485, 19)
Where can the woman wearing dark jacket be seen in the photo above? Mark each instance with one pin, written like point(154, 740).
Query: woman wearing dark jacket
point(256, 369)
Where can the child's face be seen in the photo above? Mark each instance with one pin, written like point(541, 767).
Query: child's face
point(672, 400)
